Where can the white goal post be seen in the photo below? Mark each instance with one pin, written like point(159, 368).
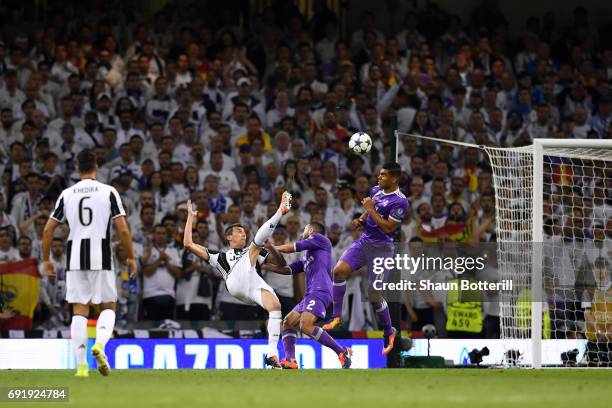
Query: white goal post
point(547, 195)
point(571, 148)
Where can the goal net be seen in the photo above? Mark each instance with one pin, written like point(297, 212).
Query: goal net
point(554, 215)
point(554, 242)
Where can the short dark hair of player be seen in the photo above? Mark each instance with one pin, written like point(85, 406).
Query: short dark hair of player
point(318, 227)
point(394, 170)
point(86, 160)
point(230, 229)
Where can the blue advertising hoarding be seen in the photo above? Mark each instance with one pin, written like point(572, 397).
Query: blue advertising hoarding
point(230, 353)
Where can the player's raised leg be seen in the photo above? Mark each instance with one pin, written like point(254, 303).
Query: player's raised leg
point(308, 327)
point(289, 336)
point(104, 331)
point(271, 303)
point(382, 311)
point(78, 335)
point(265, 231)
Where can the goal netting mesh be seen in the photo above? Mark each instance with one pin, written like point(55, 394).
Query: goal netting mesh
point(553, 225)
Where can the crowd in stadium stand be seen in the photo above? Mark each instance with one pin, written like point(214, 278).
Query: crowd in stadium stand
point(193, 103)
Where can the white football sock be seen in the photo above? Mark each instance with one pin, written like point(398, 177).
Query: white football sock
point(105, 326)
point(78, 334)
point(265, 231)
point(274, 328)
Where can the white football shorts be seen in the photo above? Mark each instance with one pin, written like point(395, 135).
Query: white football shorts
point(91, 286)
point(245, 284)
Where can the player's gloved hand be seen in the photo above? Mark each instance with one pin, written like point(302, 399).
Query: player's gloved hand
point(356, 223)
point(49, 268)
point(132, 267)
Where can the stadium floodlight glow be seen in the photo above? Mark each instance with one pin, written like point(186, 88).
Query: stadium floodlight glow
point(568, 358)
point(544, 199)
point(477, 355)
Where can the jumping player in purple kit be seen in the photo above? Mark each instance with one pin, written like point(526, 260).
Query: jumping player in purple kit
point(317, 264)
point(385, 209)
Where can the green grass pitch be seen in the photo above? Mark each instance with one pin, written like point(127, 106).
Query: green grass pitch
point(325, 388)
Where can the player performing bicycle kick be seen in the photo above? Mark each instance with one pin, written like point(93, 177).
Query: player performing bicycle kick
point(237, 267)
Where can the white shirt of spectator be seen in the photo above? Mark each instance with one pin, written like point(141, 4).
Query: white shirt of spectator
point(161, 282)
point(11, 255)
point(227, 180)
point(24, 207)
point(187, 290)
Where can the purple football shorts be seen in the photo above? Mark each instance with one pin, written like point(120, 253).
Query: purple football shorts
point(315, 303)
point(362, 253)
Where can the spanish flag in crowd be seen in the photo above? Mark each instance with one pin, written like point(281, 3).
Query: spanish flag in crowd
point(451, 231)
point(19, 284)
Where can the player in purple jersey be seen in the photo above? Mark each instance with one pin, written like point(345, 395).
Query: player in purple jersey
point(385, 208)
point(317, 264)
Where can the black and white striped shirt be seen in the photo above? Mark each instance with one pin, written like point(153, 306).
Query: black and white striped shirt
point(224, 261)
point(88, 208)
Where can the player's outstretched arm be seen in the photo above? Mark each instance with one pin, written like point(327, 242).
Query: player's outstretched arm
point(286, 248)
point(188, 243)
point(283, 270)
point(301, 245)
point(274, 257)
point(386, 225)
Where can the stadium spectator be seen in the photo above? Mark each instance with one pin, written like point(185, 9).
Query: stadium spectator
point(194, 287)
point(8, 252)
point(161, 267)
point(52, 296)
point(127, 289)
